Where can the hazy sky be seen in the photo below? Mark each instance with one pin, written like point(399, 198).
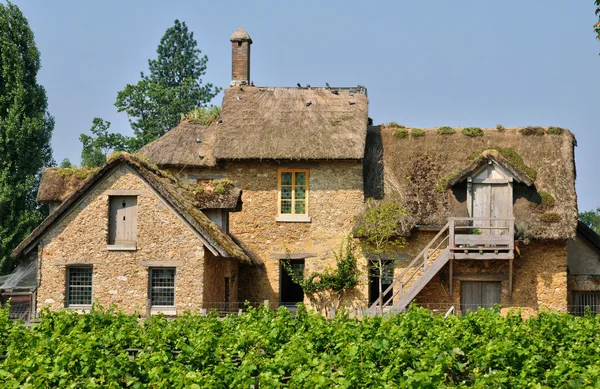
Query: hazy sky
point(425, 63)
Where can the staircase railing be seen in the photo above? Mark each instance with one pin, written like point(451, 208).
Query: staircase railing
point(421, 261)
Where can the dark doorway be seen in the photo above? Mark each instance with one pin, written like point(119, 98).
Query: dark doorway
point(291, 293)
point(479, 294)
point(388, 278)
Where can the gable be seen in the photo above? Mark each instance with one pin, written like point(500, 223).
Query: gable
point(163, 185)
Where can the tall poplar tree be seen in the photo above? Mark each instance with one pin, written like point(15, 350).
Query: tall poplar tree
point(25, 131)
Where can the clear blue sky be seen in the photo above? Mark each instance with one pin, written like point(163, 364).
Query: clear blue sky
point(425, 63)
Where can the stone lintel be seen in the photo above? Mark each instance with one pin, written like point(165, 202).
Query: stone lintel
point(162, 263)
point(293, 255)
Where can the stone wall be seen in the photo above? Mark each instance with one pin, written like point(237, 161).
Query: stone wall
point(335, 198)
point(121, 277)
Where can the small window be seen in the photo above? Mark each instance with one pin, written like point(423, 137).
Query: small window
point(585, 302)
point(123, 220)
point(162, 287)
point(79, 286)
point(293, 195)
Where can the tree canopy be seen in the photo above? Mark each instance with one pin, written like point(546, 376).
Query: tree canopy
point(25, 131)
point(591, 219)
point(158, 101)
point(597, 25)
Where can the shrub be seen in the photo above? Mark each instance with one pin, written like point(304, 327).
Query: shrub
point(204, 115)
point(417, 132)
point(527, 131)
point(394, 125)
point(446, 130)
point(472, 131)
point(500, 127)
point(550, 217)
point(401, 133)
point(555, 130)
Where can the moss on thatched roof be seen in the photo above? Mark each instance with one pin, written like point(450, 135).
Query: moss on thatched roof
point(216, 194)
point(178, 197)
point(292, 123)
point(188, 144)
point(57, 184)
point(414, 168)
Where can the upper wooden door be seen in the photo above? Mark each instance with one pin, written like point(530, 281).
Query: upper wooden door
point(490, 196)
point(123, 220)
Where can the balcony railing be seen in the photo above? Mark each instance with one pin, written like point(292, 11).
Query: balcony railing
point(481, 237)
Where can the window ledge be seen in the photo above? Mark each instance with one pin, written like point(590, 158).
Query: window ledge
point(81, 309)
point(167, 311)
point(121, 247)
point(293, 219)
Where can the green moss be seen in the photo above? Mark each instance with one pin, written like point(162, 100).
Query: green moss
point(446, 130)
point(417, 132)
point(474, 155)
point(394, 125)
point(203, 115)
point(222, 185)
point(80, 173)
point(401, 133)
point(515, 159)
point(550, 217)
point(546, 199)
point(442, 184)
point(555, 130)
point(472, 131)
point(500, 127)
point(531, 130)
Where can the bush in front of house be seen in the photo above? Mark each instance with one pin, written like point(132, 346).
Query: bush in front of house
point(105, 348)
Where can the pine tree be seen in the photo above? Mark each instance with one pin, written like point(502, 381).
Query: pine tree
point(25, 131)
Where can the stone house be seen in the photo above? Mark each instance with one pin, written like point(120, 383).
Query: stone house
point(203, 216)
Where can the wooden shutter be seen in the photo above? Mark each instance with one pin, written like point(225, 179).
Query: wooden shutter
point(123, 220)
point(476, 294)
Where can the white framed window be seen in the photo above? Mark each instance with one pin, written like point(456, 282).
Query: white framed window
point(162, 288)
point(292, 201)
point(79, 286)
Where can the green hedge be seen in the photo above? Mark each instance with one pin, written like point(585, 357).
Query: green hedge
point(417, 349)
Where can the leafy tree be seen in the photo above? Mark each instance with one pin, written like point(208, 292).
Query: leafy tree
point(591, 219)
point(98, 146)
point(173, 88)
point(25, 131)
point(327, 289)
point(379, 228)
point(66, 164)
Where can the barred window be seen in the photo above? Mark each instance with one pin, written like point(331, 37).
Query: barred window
point(79, 285)
point(293, 192)
point(162, 287)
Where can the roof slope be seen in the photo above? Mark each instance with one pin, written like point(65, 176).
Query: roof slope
point(57, 184)
point(292, 123)
point(180, 146)
point(180, 198)
point(589, 234)
point(418, 169)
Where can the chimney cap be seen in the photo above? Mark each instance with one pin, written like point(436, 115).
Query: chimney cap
point(240, 35)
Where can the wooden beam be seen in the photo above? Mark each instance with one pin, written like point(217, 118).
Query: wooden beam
point(481, 277)
point(510, 278)
point(483, 256)
point(451, 277)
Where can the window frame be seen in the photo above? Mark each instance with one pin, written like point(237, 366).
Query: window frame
point(293, 217)
point(68, 287)
point(168, 309)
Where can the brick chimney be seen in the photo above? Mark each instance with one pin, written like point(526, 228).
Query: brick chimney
point(240, 57)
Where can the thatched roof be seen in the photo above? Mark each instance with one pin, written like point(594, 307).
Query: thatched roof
point(188, 144)
point(209, 198)
point(58, 183)
point(177, 196)
point(292, 123)
point(425, 172)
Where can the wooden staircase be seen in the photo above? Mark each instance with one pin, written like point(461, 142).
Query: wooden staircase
point(455, 241)
point(417, 274)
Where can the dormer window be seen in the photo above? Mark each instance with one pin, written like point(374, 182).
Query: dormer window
point(292, 204)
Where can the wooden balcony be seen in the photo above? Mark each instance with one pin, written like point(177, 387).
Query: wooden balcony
point(481, 238)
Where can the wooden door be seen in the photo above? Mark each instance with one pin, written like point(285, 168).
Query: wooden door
point(123, 220)
point(226, 294)
point(479, 294)
point(491, 197)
